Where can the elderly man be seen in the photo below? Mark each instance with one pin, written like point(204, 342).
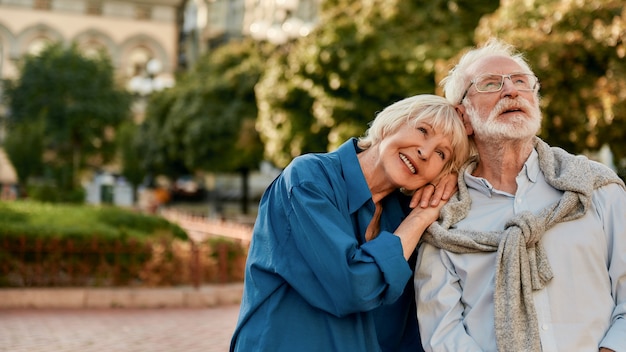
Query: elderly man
point(530, 254)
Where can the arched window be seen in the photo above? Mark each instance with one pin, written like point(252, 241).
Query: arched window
point(37, 45)
point(137, 61)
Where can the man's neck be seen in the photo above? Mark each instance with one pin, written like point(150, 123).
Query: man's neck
point(501, 161)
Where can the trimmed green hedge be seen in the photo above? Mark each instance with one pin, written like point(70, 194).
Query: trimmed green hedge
point(52, 245)
point(34, 219)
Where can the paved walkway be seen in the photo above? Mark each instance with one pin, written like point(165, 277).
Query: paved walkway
point(117, 330)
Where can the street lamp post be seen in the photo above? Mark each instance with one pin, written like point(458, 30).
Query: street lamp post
point(146, 81)
point(278, 22)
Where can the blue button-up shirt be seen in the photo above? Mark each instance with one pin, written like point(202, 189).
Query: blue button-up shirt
point(312, 282)
point(582, 308)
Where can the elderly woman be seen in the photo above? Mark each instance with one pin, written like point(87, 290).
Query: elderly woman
point(330, 262)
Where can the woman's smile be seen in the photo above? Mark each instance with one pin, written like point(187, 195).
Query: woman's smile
point(408, 163)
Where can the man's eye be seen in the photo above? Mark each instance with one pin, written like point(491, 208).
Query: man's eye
point(490, 83)
point(521, 81)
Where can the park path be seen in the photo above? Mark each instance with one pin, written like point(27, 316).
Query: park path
point(118, 330)
point(198, 328)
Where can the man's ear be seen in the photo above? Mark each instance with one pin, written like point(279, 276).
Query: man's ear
point(460, 109)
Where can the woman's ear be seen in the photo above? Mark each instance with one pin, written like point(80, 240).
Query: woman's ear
point(460, 109)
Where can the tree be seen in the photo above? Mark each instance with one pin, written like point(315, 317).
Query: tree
point(74, 105)
point(25, 149)
point(207, 122)
point(577, 49)
point(159, 139)
point(130, 158)
point(364, 55)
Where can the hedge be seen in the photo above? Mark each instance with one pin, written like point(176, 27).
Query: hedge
point(53, 245)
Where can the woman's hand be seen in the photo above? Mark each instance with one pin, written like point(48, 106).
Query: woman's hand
point(431, 194)
point(413, 226)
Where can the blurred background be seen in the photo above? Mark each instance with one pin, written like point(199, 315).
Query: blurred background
point(116, 115)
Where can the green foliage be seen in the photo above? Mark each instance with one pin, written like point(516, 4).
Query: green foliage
point(318, 91)
point(35, 219)
point(73, 103)
point(230, 255)
point(130, 157)
point(577, 49)
point(226, 247)
point(207, 121)
point(24, 147)
point(43, 192)
point(142, 223)
point(157, 140)
point(66, 261)
point(313, 93)
point(64, 245)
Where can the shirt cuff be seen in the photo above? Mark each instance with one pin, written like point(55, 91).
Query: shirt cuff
point(614, 338)
point(386, 249)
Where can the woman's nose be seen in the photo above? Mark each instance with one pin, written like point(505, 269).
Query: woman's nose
point(422, 153)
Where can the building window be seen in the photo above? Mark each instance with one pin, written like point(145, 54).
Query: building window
point(94, 8)
point(42, 4)
point(143, 12)
point(137, 61)
point(37, 45)
point(92, 48)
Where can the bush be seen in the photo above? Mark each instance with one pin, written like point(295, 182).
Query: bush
point(35, 219)
point(230, 257)
point(69, 245)
point(52, 194)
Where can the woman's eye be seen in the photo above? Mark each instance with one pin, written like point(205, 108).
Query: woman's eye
point(441, 154)
point(422, 129)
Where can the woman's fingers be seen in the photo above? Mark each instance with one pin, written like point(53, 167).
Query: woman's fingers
point(423, 196)
point(431, 194)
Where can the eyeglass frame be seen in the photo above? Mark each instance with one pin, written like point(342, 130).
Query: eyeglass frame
point(473, 82)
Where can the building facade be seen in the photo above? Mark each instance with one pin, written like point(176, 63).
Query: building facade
point(148, 40)
point(208, 24)
point(133, 32)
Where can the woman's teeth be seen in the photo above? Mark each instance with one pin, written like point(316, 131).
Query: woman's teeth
point(408, 163)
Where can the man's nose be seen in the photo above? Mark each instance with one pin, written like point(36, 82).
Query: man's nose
point(508, 88)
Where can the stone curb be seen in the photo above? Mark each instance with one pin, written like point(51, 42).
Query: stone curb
point(175, 297)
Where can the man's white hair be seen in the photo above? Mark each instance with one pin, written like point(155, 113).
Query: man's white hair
point(456, 82)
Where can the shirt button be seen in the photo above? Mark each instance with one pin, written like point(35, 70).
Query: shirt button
point(544, 326)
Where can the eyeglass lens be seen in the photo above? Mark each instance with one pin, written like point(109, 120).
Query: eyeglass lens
point(493, 82)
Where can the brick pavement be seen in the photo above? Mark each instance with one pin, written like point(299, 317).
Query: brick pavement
point(118, 330)
point(122, 297)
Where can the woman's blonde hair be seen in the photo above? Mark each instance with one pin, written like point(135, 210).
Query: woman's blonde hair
point(426, 108)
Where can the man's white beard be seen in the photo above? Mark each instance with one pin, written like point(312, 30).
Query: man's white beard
point(517, 126)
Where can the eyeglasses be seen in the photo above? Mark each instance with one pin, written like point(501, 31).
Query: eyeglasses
point(489, 83)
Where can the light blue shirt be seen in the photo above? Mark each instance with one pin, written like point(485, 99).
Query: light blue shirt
point(312, 283)
point(581, 309)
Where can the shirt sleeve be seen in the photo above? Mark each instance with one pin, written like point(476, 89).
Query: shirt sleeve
point(439, 306)
point(329, 268)
point(611, 204)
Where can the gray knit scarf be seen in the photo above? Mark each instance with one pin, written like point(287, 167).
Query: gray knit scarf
point(522, 265)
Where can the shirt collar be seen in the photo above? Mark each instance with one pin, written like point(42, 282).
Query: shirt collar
point(530, 170)
point(531, 166)
point(358, 191)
